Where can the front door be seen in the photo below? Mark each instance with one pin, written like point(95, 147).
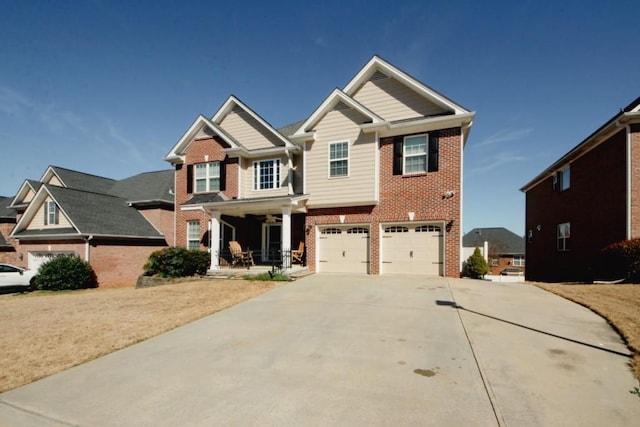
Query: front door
point(271, 242)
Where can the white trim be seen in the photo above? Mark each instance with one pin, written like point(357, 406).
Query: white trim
point(330, 102)
point(426, 154)
point(348, 159)
point(376, 63)
point(277, 172)
point(232, 102)
point(175, 155)
point(189, 237)
point(38, 199)
point(376, 165)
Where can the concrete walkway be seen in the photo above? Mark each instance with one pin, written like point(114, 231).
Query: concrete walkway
point(356, 350)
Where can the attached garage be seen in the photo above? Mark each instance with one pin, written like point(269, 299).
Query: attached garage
point(412, 249)
point(37, 258)
point(344, 249)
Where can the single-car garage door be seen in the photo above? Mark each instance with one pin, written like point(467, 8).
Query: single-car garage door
point(344, 249)
point(412, 249)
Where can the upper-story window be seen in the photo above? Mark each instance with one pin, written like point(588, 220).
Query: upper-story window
point(565, 179)
point(416, 154)
point(207, 177)
point(50, 213)
point(564, 236)
point(266, 174)
point(338, 159)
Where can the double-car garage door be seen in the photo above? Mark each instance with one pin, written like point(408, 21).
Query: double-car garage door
point(404, 249)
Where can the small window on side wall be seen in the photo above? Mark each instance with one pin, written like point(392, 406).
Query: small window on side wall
point(564, 236)
point(565, 179)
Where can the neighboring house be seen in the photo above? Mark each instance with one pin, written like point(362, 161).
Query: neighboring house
point(7, 222)
point(370, 182)
point(114, 225)
point(584, 201)
point(502, 248)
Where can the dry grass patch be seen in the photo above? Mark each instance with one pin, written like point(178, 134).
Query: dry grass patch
point(44, 333)
point(619, 304)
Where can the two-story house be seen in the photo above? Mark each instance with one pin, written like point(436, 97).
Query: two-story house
point(114, 225)
point(370, 182)
point(586, 200)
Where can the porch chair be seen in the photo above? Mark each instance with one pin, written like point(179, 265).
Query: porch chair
point(296, 254)
point(240, 258)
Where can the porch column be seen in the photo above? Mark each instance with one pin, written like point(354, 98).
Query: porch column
point(286, 229)
point(214, 232)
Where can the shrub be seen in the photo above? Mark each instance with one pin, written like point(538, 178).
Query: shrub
point(476, 266)
point(267, 277)
point(177, 262)
point(65, 272)
point(622, 260)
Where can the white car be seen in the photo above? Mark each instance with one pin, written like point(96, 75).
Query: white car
point(12, 276)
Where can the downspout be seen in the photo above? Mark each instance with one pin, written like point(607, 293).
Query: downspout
point(87, 246)
point(629, 181)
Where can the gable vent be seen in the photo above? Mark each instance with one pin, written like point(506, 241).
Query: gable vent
point(378, 75)
point(341, 106)
point(237, 109)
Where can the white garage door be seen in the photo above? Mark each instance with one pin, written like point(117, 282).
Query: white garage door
point(344, 249)
point(36, 259)
point(412, 249)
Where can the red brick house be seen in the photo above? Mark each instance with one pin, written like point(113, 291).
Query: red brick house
point(114, 225)
point(370, 182)
point(584, 201)
point(502, 249)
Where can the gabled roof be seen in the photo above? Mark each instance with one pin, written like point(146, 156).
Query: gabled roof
point(502, 240)
point(90, 214)
point(200, 123)
point(330, 102)
point(378, 64)
point(27, 186)
point(232, 104)
point(628, 115)
point(447, 114)
point(79, 180)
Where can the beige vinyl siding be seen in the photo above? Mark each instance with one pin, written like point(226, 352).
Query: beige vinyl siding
point(392, 100)
point(54, 181)
point(29, 196)
point(37, 222)
point(359, 185)
point(248, 131)
point(247, 179)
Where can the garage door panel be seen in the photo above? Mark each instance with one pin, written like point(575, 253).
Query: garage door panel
point(412, 249)
point(344, 250)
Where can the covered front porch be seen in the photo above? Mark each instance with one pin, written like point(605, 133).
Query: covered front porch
point(267, 230)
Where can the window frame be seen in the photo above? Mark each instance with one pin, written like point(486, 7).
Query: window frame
point(190, 235)
point(51, 216)
point(564, 237)
point(257, 174)
point(414, 155)
point(208, 176)
point(518, 261)
point(564, 176)
point(338, 159)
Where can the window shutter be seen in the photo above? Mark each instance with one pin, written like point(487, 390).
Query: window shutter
point(433, 151)
point(189, 179)
point(398, 142)
point(46, 213)
point(223, 176)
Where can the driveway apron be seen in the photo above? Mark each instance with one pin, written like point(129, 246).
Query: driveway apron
point(355, 350)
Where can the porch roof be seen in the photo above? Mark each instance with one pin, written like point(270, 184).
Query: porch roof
point(254, 206)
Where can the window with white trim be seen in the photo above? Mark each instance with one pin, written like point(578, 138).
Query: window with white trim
point(50, 213)
point(193, 235)
point(266, 174)
point(415, 154)
point(207, 177)
point(495, 262)
point(564, 236)
point(338, 159)
point(518, 261)
point(565, 179)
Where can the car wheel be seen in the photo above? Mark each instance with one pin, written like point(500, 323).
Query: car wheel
point(32, 284)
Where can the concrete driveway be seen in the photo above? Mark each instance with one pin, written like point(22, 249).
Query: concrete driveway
point(356, 350)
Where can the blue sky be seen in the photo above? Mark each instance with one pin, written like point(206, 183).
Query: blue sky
point(108, 87)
